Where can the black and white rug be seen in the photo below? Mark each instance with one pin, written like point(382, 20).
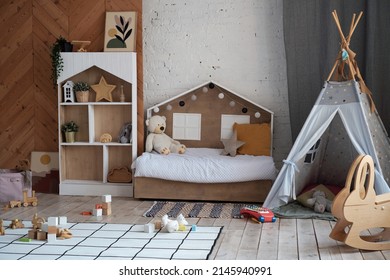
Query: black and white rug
point(196, 209)
point(102, 241)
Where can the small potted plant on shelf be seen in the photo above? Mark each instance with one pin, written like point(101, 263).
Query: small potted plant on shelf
point(82, 91)
point(70, 129)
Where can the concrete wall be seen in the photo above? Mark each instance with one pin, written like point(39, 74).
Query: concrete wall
point(238, 44)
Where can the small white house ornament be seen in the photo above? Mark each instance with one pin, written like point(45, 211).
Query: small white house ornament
point(68, 91)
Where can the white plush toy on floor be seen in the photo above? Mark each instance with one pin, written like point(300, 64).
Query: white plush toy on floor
point(157, 139)
point(173, 225)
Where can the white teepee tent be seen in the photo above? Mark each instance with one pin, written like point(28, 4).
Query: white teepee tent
point(342, 124)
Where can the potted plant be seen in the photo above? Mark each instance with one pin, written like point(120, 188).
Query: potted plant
point(82, 91)
point(70, 129)
point(57, 63)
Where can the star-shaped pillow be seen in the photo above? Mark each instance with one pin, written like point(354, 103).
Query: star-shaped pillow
point(231, 145)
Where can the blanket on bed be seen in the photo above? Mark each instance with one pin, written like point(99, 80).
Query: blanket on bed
point(205, 165)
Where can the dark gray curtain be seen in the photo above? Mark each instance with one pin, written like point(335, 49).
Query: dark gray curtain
point(312, 43)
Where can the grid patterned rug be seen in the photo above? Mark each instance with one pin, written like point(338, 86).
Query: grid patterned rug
point(104, 241)
point(196, 209)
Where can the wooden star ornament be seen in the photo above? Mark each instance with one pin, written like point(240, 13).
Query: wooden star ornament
point(103, 90)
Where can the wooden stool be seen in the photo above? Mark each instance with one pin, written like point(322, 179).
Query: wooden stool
point(359, 209)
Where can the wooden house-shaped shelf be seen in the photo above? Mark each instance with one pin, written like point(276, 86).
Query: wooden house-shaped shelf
point(86, 163)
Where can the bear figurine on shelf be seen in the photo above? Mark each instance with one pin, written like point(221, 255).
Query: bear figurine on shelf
point(158, 141)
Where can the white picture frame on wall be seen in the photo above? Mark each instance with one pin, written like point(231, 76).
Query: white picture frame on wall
point(120, 32)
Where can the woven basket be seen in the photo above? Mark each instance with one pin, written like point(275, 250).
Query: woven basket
point(82, 96)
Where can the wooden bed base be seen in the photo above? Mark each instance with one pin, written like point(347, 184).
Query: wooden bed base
point(153, 188)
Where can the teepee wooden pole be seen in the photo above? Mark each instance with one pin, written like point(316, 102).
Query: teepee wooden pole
point(333, 68)
point(351, 28)
point(356, 22)
point(354, 25)
point(336, 19)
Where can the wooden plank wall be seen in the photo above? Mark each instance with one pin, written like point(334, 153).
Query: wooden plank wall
point(28, 101)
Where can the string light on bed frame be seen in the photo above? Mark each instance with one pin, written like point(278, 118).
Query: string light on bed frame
point(221, 95)
point(232, 103)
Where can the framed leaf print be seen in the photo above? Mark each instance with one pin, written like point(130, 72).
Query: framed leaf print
point(120, 32)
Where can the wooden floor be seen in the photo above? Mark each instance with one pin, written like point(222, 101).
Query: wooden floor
point(241, 239)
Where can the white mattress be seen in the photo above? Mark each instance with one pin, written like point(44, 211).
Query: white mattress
point(204, 165)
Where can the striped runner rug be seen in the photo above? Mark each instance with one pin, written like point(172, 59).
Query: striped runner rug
point(196, 209)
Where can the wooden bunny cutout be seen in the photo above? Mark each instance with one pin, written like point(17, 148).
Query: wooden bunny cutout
point(360, 211)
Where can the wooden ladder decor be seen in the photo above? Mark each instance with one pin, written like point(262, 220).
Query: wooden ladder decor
point(360, 211)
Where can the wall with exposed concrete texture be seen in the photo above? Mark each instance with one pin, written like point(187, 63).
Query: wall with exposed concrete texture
point(236, 43)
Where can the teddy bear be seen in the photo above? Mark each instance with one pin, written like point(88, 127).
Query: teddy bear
point(125, 133)
point(157, 139)
point(319, 202)
point(23, 165)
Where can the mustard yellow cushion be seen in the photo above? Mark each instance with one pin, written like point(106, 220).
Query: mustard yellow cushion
point(257, 138)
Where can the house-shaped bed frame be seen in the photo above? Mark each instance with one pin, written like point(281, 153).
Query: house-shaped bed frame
point(200, 118)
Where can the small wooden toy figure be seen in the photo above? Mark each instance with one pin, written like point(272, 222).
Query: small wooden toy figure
point(37, 221)
point(16, 223)
point(2, 231)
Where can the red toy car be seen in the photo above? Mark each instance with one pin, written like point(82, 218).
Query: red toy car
point(260, 214)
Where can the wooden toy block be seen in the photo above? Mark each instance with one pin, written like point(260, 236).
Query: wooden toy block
point(52, 230)
point(2, 231)
point(106, 205)
point(41, 235)
point(106, 198)
point(99, 206)
point(51, 237)
point(62, 220)
point(45, 227)
point(32, 233)
point(148, 228)
point(193, 228)
point(157, 225)
point(182, 227)
point(52, 221)
point(97, 212)
point(107, 212)
point(358, 209)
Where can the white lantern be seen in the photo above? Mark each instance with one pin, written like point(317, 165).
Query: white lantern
point(68, 91)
